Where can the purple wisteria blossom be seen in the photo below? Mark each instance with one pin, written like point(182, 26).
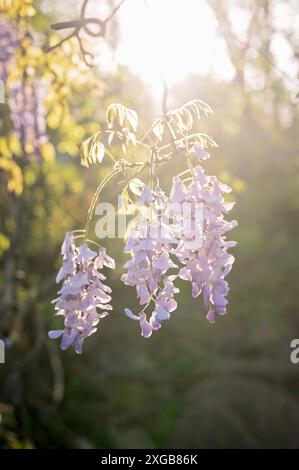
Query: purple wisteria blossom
point(207, 266)
point(84, 298)
point(200, 153)
point(27, 108)
point(172, 238)
point(205, 262)
point(26, 96)
point(147, 270)
point(9, 40)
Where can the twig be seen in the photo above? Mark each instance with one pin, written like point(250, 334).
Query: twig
point(83, 23)
point(114, 11)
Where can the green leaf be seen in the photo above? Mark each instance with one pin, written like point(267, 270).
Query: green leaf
point(136, 186)
point(92, 150)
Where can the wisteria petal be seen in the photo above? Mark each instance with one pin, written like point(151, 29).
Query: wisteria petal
point(200, 153)
point(131, 315)
point(177, 193)
point(67, 269)
point(85, 254)
point(146, 329)
point(146, 195)
point(68, 245)
point(211, 316)
point(54, 334)
point(143, 294)
point(162, 314)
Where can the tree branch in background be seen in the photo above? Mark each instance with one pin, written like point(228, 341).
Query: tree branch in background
point(84, 23)
point(236, 53)
point(260, 17)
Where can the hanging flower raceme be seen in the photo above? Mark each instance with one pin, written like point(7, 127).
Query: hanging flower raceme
point(150, 244)
point(198, 243)
point(27, 107)
point(84, 298)
point(26, 91)
point(207, 265)
point(10, 38)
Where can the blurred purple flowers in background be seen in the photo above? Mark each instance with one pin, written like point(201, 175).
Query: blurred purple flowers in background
point(26, 93)
point(27, 107)
point(9, 40)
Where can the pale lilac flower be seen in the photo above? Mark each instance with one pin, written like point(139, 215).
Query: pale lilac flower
point(200, 153)
point(146, 329)
point(165, 303)
point(145, 326)
point(146, 195)
point(178, 193)
point(85, 254)
point(82, 294)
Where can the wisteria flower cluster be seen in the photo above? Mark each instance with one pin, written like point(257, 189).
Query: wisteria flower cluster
point(25, 96)
point(205, 266)
point(28, 113)
point(84, 298)
point(9, 41)
point(177, 236)
point(148, 267)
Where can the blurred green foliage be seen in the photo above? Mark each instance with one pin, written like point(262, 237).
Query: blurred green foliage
point(194, 384)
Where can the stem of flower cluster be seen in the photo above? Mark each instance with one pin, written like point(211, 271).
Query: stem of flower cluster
point(191, 168)
point(95, 198)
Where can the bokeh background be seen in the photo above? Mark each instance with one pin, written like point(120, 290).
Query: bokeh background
point(230, 384)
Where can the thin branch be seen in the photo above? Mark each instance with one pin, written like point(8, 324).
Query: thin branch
point(51, 48)
point(114, 11)
point(83, 23)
